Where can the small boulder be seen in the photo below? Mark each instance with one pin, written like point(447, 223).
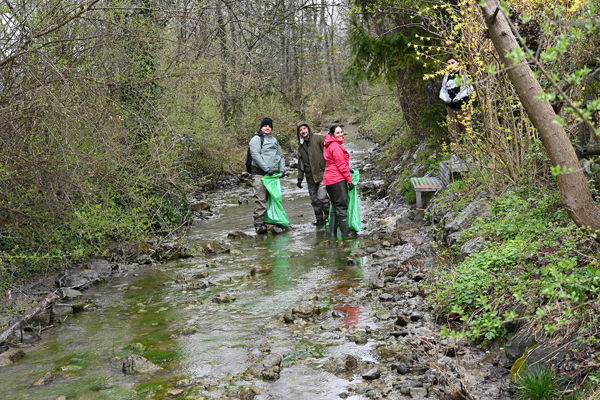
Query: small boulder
point(223, 298)
point(401, 320)
point(341, 364)
point(260, 270)
point(212, 248)
point(44, 380)
point(10, 356)
point(135, 364)
point(173, 393)
point(200, 206)
point(373, 373)
point(271, 360)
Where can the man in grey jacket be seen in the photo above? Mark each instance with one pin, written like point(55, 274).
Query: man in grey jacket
point(311, 164)
point(267, 158)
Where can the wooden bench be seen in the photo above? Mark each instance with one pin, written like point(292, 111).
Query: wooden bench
point(425, 184)
point(433, 184)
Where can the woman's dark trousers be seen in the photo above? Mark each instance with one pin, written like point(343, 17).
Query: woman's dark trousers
point(338, 195)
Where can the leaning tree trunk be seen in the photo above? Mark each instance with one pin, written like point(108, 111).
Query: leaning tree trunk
point(574, 191)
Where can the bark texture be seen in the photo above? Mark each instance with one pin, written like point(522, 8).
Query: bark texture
point(574, 191)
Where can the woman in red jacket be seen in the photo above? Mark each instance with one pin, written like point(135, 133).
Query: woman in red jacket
point(337, 180)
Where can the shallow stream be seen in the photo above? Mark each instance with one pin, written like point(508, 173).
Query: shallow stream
point(155, 312)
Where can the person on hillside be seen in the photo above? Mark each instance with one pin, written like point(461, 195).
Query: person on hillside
point(337, 180)
point(311, 165)
point(267, 158)
point(455, 92)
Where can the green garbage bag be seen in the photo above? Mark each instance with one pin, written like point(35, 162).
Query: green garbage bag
point(353, 211)
point(275, 213)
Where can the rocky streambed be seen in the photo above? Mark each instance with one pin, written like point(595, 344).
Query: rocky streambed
point(281, 316)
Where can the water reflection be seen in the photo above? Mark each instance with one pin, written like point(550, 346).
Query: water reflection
point(279, 247)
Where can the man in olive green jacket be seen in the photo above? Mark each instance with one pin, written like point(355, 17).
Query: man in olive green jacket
point(311, 164)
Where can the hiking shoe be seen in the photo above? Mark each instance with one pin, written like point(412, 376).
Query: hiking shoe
point(262, 230)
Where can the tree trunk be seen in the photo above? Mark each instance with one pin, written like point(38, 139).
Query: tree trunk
point(574, 191)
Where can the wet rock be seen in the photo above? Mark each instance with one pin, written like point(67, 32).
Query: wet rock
point(271, 361)
point(289, 318)
point(401, 320)
point(198, 286)
point(183, 383)
point(376, 283)
point(246, 394)
point(135, 364)
point(416, 316)
point(379, 255)
point(403, 369)
point(212, 248)
point(254, 370)
point(223, 298)
point(418, 393)
point(271, 374)
point(373, 373)
point(383, 315)
point(237, 235)
point(173, 393)
point(69, 294)
point(398, 333)
point(338, 314)
point(44, 380)
point(359, 338)
point(341, 364)
point(199, 206)
point(78, 279)
point(305, 312)
point(201, 275)
point(260, 270)
point(277, 230)
point(392, 272)
point(386, 297)
point(101, 266)
point(10, 356)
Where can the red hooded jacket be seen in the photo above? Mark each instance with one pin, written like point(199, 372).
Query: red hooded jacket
point(337, 159)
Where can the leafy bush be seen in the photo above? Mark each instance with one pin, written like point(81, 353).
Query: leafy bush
point(532, 248)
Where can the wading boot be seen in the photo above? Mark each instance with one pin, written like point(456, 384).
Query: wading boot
point(261, 229)
point(333, 225)
point(343, 224)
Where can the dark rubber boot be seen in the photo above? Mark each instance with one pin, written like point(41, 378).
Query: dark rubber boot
point(343, 224)
point(333, 225)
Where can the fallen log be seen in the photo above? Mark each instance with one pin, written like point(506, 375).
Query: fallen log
point(48, 300)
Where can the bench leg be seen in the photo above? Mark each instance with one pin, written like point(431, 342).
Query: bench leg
point(419, 203)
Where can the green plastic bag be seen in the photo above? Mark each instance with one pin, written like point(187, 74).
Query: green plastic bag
point(275, 213)
point(353, 211)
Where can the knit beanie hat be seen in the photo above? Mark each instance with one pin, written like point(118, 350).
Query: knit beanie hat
point(266, 121)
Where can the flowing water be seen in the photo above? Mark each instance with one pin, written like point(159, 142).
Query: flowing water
point(183, 331)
